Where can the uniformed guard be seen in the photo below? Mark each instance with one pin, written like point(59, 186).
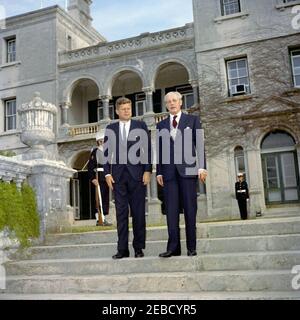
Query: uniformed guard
point(95, 166)
point(242, 195)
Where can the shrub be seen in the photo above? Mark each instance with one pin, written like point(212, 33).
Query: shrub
point(18, 212)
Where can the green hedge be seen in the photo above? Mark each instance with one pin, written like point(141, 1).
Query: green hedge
point(18, 212)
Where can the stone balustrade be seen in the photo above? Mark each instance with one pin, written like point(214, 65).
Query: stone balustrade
point(141, 42)
point(12, 170)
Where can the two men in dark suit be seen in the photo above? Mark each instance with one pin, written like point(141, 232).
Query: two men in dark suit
point(179, 166)
point(128, 171)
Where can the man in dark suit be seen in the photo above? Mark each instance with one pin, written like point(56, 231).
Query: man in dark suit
point(178, 175)
point(128, 171)
point(242, 195)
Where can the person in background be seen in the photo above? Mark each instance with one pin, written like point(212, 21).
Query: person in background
point(242, 195)
point(96, 164)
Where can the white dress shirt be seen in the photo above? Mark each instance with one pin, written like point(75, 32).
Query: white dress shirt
point(127, 128)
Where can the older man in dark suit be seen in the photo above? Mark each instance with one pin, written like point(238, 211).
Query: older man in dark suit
point(178, 175)
point(128, 171)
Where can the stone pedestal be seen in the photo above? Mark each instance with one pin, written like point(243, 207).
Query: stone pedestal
point(50, 180)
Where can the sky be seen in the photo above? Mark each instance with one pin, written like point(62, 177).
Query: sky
point(119, 19)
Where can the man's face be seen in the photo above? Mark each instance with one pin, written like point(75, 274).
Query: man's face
point(124, 112)
point(173, 104)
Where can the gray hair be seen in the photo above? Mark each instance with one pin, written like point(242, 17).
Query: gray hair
point(176, 93)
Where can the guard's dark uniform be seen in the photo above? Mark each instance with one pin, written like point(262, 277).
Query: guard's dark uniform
point(92, 166)
point(242, 194)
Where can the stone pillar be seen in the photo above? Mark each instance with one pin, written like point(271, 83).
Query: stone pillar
point(149, 98)
point(65, 113)
point(154, 204)
point(50, 180)
point(195, 86)
point(256, 188)
point(106, 119)
point(105, 101)
point(149, 117)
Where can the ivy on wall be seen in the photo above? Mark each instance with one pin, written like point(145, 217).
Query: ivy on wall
point(18, 212)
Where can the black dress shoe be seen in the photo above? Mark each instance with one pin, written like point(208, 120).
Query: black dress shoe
point(169, 254)
point(139, 254)
point(192, 253)
point(120, 255)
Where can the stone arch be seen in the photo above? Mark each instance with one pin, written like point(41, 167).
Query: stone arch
point(185, 64)
point(115, 73)
point(267, 131)
point(77, 159)
point(68, 92)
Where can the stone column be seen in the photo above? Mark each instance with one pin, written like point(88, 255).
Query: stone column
point(256, 188)
point(149, 98)
point(65, 113)
point(105, 101)
point(195, 86)
point(153, 186)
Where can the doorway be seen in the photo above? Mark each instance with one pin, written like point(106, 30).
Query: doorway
point(280, 169)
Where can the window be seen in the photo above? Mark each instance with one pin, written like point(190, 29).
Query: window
point(230, 7)
point(10, 115)
point(11, 50)
point(140, 104)
point(187, 96)
point(188, 100)
point(238, 77)
point(295, 56)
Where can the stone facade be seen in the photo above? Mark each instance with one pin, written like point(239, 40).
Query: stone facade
point(85, 75)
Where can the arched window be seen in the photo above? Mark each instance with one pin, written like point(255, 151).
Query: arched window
point(280, 168)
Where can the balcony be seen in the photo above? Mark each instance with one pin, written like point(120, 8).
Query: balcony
point(88, 131)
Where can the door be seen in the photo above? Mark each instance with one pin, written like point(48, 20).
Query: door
point(281, 179)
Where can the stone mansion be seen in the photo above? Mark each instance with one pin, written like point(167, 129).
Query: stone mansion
point(237, 66)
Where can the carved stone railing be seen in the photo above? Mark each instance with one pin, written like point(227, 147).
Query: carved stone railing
point(12, 170)
point(142, 42)
point(93, 128)
point(86, 129)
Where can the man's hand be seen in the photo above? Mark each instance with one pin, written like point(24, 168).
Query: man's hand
point(146, 178)
point(110, 181)
point(160, 180)
point(95, 182)
point(203, 175)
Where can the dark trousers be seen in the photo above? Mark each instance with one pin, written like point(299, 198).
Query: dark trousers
point(105, 198)
point(130, 194)
point(181, 191)
point(243, 208)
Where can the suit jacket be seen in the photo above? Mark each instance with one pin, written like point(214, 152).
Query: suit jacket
point(113, 164)
point(188, 125)
point(243, 186)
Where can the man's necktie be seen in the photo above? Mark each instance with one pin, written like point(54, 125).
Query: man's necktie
point(175, 122)
point(124, 134)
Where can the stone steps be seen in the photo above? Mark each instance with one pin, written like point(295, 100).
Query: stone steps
point(276, 226)
point(153, 248)
point(225, 281)
point(206, 262)
point(236, 260)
